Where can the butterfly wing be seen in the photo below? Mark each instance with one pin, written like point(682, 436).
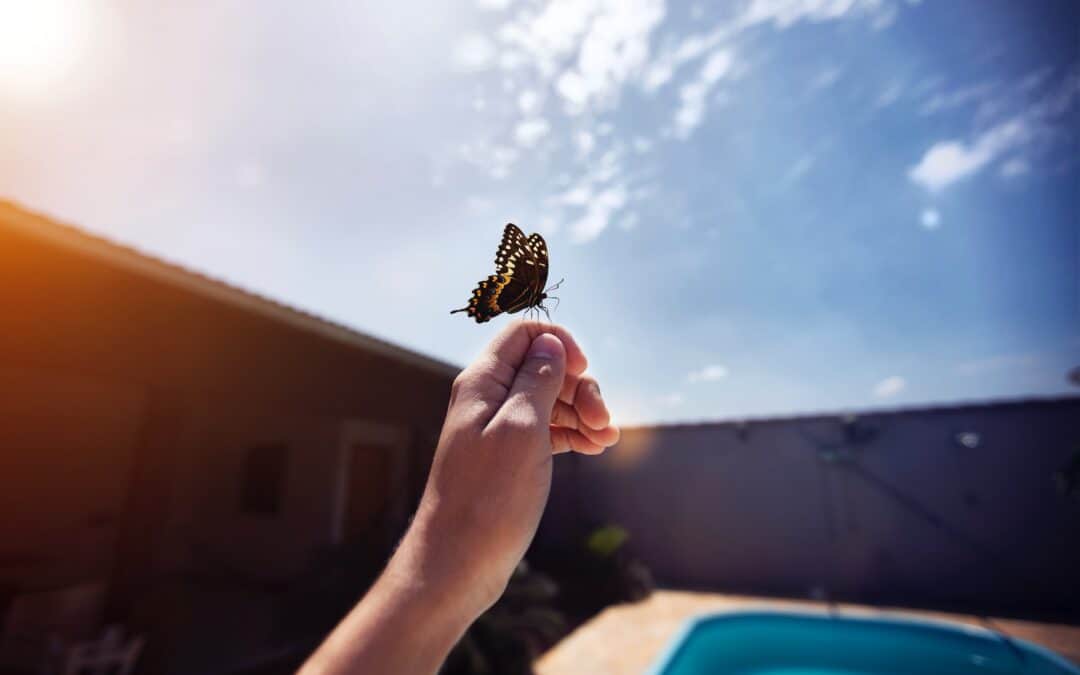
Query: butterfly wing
point(511, 288)
point(540, 257)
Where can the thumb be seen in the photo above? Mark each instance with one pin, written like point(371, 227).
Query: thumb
point(538, 380)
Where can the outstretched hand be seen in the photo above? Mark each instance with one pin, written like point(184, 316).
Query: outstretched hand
point(524, 399)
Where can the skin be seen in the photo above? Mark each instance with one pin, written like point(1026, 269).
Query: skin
point(524, 399)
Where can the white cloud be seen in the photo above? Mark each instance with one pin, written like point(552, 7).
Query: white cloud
point(493, 5)
point(585, 142)
point(571, 86)
point(956, 98)
point(1015, 167)
point(889, 387)
point(550, 35)
point(930, 219)
point(598, 213)
point(473, 52)
point(642, 145)
point(692, 96)
point(710, 373)
point(949, 161)
point(663, 67)
point(528, 132)
point(785, 13)
point(577, 196)
point(614, 48)
point(610, 39)
point(528, 100)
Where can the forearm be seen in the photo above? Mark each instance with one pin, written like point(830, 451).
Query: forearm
point(407, 623)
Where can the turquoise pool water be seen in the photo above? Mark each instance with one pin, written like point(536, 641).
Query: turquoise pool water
point(780, 643)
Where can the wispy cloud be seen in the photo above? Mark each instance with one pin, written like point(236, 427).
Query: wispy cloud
point(958, 97)
point(947, 162)
point(889, 387)
point(693, 95)
point(610, 41)
point(1035, 128)
point(710, 373)
point(598, 213)
point(786, 13)
point(889, 95)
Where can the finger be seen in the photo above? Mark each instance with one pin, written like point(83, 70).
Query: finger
point(536, 384)
point(506, 352)
point(563, 415)
point(605, 437)
point(566, 416)
point(589, 404)
point(564, 440)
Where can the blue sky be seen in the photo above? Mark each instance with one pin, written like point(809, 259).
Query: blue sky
point(761, 207)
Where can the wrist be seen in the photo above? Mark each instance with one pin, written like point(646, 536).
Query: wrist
point(434, 562)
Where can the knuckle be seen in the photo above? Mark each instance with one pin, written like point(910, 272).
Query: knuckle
point(459, 384)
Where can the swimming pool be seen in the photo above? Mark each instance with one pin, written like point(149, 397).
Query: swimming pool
point(795, 643)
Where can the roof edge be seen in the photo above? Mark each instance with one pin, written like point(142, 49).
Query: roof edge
point(817, 416)
point(48, 229)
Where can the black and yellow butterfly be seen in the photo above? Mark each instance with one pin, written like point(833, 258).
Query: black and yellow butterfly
point(521, 270)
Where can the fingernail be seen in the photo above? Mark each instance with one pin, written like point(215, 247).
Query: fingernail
point(545, 346)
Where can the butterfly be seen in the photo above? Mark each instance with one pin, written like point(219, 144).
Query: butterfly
point(521, 270)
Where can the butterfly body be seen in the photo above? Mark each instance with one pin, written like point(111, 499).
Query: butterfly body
point(521, 270)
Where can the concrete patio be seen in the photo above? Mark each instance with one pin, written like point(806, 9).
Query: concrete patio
point(629, 638)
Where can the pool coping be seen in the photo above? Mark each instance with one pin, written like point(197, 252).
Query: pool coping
point(667, 656)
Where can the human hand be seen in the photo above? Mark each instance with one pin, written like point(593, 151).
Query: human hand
point(523, 400)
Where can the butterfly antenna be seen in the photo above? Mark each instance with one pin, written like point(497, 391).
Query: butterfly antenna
point(556, 286)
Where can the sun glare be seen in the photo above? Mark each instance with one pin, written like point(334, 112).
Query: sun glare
point(39, 41)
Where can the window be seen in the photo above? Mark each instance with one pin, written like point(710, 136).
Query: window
point(264, 480)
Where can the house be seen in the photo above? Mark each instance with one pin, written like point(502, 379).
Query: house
point(176, 451)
